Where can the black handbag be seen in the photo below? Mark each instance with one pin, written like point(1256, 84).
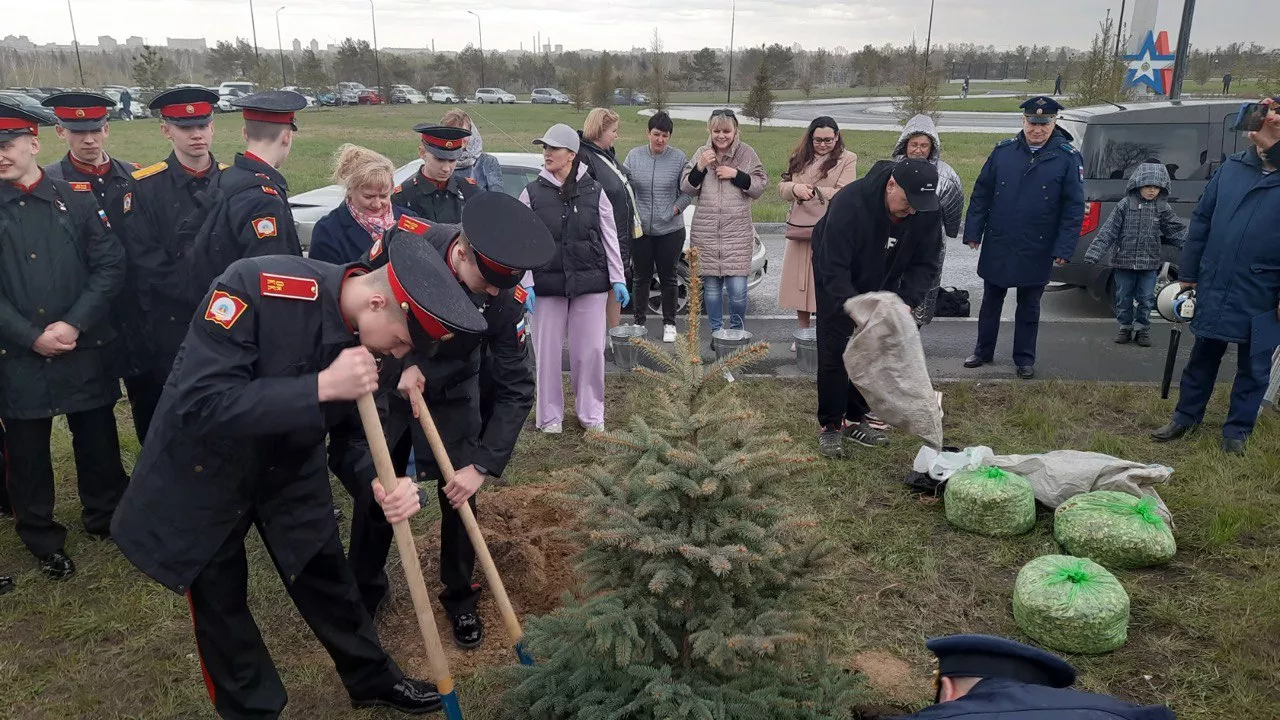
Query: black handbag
point(952, 302)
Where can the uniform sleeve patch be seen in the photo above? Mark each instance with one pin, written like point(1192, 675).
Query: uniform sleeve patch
point(270, 190)
point(522, 330)
point(102, 215)
point(128, 202)
point(224, 309)
point(264, 227)
point(150, 170)
point(521, 294)
point(397, 189)
point(471, 180)
point(287, 286)
point(408, 224)
point(376, 249)
point(81, 187)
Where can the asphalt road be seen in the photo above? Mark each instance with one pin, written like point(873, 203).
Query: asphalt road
point(865, 114)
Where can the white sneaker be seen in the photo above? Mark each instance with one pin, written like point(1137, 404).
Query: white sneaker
point(552, 429)
point(595, 428)
point(669, 333)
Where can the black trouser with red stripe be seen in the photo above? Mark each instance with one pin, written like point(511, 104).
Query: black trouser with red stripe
point(99, 474)
point(241, 678)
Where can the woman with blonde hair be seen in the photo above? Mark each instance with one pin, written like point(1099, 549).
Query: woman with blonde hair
point(346, 233)
point(725, 176)
point(475, 163)
point(598, 136)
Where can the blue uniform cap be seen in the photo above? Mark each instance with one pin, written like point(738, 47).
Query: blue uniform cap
point(988, 656)
point(1040, 110)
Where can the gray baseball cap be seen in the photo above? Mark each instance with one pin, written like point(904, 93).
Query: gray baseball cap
point(560, 136)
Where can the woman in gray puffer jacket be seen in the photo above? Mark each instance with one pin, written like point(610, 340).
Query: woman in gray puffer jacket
point(920, 141)
point(725, 175)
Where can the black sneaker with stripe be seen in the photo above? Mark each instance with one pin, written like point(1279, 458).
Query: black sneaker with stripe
point(865, 435)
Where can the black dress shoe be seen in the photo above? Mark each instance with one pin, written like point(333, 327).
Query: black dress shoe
point(468, 631)
point(57, 566)
point(1026, 372)
point(973, 361)
point(1233, 446)
point(1172, 431)
point(6, 584)
point(409, 696)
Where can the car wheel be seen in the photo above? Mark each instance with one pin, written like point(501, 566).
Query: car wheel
point(682, 291)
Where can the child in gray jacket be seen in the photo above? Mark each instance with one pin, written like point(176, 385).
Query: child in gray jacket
point(1137, 227)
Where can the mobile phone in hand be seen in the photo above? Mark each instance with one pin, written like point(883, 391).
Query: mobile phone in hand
point(1251, 117)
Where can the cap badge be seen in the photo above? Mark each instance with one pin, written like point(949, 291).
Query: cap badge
point(79, 112)
point(1039, 111)
point(191, 109)
point(448, 144)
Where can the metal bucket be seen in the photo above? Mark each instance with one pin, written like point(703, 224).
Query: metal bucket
point(625, 354)
point(806, 350)
point(728, 342)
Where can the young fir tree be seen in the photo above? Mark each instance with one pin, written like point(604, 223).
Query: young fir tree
point(760, 101)
point(691, 571)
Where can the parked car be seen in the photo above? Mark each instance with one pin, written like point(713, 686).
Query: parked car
point(329, 98)
point(33, 93)
point(1191, 138)
point(548, 96)
point(407, 96)
point(518, 170)
point(311, 99)
point(30, 104)
point(51, 90)
point(494, 95)
point(350, 92)
point(243, 86)
point(443, 94)
point(225, 96)
point(136, 108)
point(369, 97)
point(627, 96)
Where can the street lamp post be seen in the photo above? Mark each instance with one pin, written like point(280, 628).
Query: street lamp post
point(377, 67)
point(280, 44)
point(733, 17)
point(928, 38)
point(253, 24)
point(1181, 55)
point(480, 32)
point(76, 42)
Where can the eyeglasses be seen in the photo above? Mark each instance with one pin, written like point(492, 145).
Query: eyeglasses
point(824, 141)
point(723, 112)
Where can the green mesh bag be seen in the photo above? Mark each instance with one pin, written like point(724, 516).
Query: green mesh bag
point(990, 501)
point(1071, 604)
point(1114, 529)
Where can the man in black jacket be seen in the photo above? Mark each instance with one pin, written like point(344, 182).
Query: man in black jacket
point(882, 232)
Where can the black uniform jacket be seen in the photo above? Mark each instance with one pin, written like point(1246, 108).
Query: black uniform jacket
point(240, 428)
point(59, 260)
point(426, 200)
point(116, 193)
point(453, 372)
point(165, 196)
point(1004, 699)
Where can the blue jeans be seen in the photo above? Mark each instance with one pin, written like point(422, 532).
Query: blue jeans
point(713, 291)
point(1135, 286)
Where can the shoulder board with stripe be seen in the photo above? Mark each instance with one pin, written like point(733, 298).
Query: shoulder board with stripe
point(408, 224)
point(81, 186)
point(269, 190)
point(288, 286)
point(150, 170)
point(1006, 141)
point(223, 166)
point(471, 180)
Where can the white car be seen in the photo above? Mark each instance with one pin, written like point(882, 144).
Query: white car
point(403, 95)
point(548, 96)
point(494, 95)
point(443, 94)
point(518, 170)
point(311, 101)
point(225, 96)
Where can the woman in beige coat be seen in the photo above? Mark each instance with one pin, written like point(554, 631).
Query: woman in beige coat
point(818, 168)
point(724, 175)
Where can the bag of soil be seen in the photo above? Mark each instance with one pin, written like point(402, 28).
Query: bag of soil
point(1071, 605)
point(990, 501)
point(1114, 529)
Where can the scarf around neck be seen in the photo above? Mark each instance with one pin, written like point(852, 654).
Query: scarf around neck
point(373, 224)
point(471, 153)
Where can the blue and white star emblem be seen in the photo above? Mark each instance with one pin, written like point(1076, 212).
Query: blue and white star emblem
point(1146, 64)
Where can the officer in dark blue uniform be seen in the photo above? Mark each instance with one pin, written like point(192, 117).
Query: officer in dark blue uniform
point(433, 193)
point(277, 352)
point(981, 677)
point(250, 216)
point(165, 196)
point(1025, 212)
point(82, 124)
point(498, 241)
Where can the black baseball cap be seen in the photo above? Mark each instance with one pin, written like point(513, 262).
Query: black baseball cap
point(919, 180)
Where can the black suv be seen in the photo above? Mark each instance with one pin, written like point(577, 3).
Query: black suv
point(1191, 138)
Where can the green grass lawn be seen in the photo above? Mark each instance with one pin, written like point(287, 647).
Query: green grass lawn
point(506, 128)
point(111, 644)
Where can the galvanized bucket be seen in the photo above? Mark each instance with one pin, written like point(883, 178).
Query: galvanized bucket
point(625, 354)
point(806, 350)
point(728, 342)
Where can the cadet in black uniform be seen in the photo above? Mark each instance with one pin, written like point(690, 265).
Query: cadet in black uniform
point(498, 241)
point(251, 217)
point(60, 270)
point(277, 352)
point(982, 677)
point(433, 193)
point(164, 197)
point(82, 124)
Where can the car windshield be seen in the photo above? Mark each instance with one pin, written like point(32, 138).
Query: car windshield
point(447, 90)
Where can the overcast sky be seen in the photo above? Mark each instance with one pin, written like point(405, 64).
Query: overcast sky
point(622, 24)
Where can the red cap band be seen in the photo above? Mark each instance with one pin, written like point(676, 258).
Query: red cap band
point(446, 144)
point(267, 116)
point(497, 266)
point(433, 327)
point(18, 124)
point(84, 113)
point(187, 110)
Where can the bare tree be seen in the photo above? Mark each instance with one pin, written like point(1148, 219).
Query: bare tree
point(659, 93)
point(1101, 73)
point(920, 94)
